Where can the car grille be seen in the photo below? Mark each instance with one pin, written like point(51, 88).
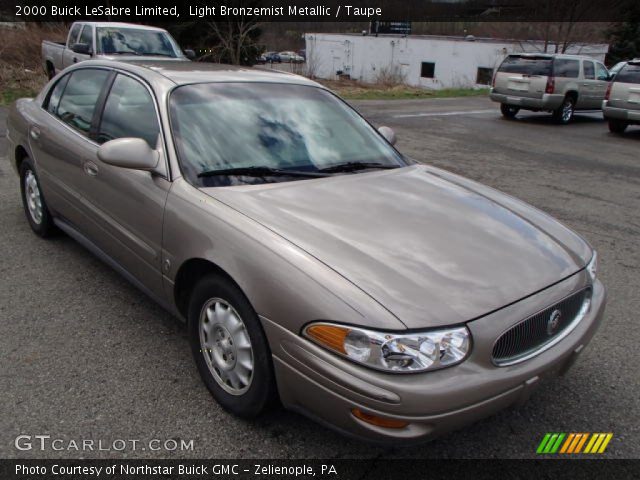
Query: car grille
point(530, 336)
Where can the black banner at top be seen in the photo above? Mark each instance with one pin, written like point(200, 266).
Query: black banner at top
point(319, 10)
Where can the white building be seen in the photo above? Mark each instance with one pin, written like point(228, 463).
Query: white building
point(419, 60)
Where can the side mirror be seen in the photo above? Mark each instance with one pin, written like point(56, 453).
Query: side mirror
point(388, 134)
point(190, 54)
point(134, 153)
point(81, 48)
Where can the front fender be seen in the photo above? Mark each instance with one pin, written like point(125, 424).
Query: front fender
point(282, 282)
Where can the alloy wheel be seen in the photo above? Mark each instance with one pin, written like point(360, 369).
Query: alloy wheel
point(226, 346)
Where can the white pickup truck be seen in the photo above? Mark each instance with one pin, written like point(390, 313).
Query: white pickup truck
point(110, 40)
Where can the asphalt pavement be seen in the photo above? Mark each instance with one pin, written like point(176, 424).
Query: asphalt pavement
point(84, 355)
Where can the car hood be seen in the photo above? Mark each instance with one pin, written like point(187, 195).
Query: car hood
point(432, 248)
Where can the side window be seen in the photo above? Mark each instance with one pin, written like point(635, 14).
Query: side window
point(129, 112)
point(601, 72)
point(85, 36)
point(566, 68)
point(589, 70)
point(73, 34)
point(53, 99)
point(79, 99)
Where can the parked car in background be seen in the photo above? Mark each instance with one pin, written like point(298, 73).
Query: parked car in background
point(291, 57)
point(88, 40)
point(621, 106)
point(272, 57)
point(613, 71)
point(560, 84)
point(311, 260)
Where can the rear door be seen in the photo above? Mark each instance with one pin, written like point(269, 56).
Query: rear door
point(523, 75)
point(625, 91)
point(587, 95)
point(60, 140)
point(127, 206)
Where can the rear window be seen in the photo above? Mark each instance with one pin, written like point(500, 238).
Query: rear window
point(526, 65)
point(629, 74)
point(567, 68)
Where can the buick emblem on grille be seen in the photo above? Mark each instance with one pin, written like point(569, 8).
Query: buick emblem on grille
point(553, 322)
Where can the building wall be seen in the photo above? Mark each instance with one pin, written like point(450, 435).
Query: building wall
point(367, 58)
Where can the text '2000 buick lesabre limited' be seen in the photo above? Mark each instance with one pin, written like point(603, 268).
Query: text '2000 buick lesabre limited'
point(313, 263)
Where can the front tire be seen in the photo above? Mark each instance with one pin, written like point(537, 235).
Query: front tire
point(564, 113)
point(230, 348)
point(35, 206)
point(509, 111)
point(617, 126)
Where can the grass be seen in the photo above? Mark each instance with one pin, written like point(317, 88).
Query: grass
point(10, 95)
point(352, 90)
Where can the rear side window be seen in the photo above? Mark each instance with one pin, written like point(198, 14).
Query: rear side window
point(79, 99)
point(55, 94)
point(567, 68)
point(73, 34)
point(629, 74)
point(526, 65)
point(129, 112)
point(589, 71)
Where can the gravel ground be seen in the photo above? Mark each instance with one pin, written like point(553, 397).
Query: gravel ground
point(85, 355)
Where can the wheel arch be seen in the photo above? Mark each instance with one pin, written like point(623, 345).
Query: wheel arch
point(19, 155)
point(189, 274)
point(573, 94)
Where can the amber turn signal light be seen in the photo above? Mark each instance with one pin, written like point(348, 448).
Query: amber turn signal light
point(378, 421)
point(329, 336)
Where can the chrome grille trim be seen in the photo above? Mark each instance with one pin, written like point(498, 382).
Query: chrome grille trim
point(515, 334)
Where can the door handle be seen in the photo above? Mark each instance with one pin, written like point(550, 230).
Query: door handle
point(90, 168)
point(75, 60)
point(35, 133)
point(585, 84)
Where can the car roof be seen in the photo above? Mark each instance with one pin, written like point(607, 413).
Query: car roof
point(185, 72)
point(121, 25)
point(552, 55)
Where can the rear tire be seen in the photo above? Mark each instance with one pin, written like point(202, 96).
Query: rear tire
point(564, 113)
point(509, 111)
point(35, 206)
point(230, 348)
point(617, 126)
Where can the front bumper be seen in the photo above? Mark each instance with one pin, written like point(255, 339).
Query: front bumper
point(624, 114)
point(325, 387)
point(547, 102)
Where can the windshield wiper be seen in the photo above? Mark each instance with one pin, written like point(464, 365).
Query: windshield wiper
point(353, 166)
point(259, 171)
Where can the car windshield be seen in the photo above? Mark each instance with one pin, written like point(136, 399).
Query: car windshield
point(223, 126)
point(135, 41)
point(526, 65)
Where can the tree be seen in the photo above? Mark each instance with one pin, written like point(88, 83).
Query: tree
point(625, 37)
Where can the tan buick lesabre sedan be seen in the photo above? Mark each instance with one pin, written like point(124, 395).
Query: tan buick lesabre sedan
point(312, 261)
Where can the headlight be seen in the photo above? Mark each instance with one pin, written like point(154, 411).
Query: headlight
point(394, 352)
point(592, 266)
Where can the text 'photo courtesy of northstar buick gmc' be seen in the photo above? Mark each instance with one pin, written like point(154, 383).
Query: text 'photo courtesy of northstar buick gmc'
point(314, 264)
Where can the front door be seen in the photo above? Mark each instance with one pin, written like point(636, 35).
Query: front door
point(128, 205)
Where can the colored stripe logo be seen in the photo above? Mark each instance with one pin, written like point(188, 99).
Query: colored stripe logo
point(571, 443)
